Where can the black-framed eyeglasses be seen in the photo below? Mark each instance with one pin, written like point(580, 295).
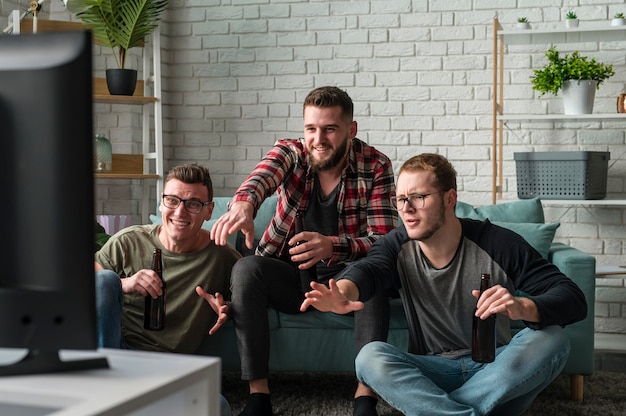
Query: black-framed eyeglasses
point(415, 201)
point(193, 206)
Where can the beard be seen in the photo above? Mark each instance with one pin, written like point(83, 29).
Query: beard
point(333, 161)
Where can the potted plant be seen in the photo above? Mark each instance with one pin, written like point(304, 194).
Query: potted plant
point(618, 19)
point(571, 19)
point(522, 23)
point(121, 25)
point(571, 72)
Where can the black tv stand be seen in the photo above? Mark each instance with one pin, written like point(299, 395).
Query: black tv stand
point(49, 361)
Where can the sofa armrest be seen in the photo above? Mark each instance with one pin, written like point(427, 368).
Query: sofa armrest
point(581, 268)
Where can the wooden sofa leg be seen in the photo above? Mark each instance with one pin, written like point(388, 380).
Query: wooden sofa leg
point(576, 386)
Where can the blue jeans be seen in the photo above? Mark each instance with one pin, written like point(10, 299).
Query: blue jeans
point(109, 302)
point(429, 384)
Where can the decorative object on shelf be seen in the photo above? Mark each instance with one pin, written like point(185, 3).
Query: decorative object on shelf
point(121, 81)
point(102, 154)
point(571, 67)
point(522, 23)
point(571, 19)
point(618, 19)
point(578, 96)
point(621, 103)
point(121, 25)
point(561, 175)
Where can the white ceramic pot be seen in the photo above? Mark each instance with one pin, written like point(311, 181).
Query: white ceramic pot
point(618, 22)
point(578, 96)
point(571, 22)
point(522, 25)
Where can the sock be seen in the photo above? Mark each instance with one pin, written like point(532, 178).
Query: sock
point(259, 404)
point(365, 406)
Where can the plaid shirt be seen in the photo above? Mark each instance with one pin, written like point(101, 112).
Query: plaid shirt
point(363, 205)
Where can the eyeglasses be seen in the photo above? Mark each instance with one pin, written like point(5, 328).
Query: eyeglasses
point(193, 206)
point(415, 201)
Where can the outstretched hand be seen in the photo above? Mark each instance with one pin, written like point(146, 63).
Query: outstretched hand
point(218, 305)
point(239, 217)
point(329, 299)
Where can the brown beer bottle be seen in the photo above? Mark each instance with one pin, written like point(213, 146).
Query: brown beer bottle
point(306, 275)
point(154, 309)
point(484, 331)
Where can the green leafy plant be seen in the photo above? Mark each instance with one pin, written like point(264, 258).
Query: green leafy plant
point(571, 15)
point(550, 78)
point(619, 15)
point(121, 24)
point(522, 20)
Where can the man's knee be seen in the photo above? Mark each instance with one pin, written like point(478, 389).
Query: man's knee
point(108, 287)
point(550, 338)
point(368, 360)
point(370, 353)
point(246, 270)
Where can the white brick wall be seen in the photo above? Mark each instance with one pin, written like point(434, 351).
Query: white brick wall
point(420, 73)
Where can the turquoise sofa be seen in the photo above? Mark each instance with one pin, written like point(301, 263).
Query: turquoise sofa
point(317, 341)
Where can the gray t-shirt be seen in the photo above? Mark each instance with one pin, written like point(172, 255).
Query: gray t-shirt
point(443, 297)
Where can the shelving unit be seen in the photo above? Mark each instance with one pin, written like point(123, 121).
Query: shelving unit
point(503, 37)
point(148, 165)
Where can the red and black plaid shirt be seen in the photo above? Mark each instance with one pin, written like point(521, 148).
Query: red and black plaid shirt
point(363, 204)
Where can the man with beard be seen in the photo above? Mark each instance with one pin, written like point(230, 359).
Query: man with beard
point(341, 187)
point(435, 260)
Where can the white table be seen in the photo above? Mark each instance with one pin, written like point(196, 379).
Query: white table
point(137, 383)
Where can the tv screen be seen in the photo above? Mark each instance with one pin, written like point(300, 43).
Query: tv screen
point(47, 288)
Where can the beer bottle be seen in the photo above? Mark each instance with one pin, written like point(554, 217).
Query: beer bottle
point(484, 331)
point(306, 275)
point(154, 309)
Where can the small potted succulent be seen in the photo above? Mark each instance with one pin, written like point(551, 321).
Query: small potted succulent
point(570, 73)
point(522, 23)
point(618, 19)
point(571, 19)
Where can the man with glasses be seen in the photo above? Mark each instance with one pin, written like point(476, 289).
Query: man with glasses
point(193, 268)
point(435, 260)
point(341, 187)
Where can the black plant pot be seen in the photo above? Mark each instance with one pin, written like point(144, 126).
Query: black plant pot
point(121, 81)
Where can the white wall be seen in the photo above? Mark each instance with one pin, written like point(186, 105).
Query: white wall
point(420, 73)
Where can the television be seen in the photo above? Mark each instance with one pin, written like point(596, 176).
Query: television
point(47, 285)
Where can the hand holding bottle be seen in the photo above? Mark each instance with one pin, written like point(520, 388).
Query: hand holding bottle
point(154, 308)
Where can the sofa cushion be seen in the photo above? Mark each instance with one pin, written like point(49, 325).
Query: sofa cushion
point(527, 210)
point(539, 236)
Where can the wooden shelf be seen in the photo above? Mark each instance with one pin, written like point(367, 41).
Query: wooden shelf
point(585, 202)
point(593, 32)
point(596, 33)
point(126, 166)
point(44, 25)
point(562, 117)
point(129, 166)
point(101, 94)
point(100, 90)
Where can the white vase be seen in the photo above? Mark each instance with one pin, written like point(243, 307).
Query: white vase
point(578, 96)
point(571, 22)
